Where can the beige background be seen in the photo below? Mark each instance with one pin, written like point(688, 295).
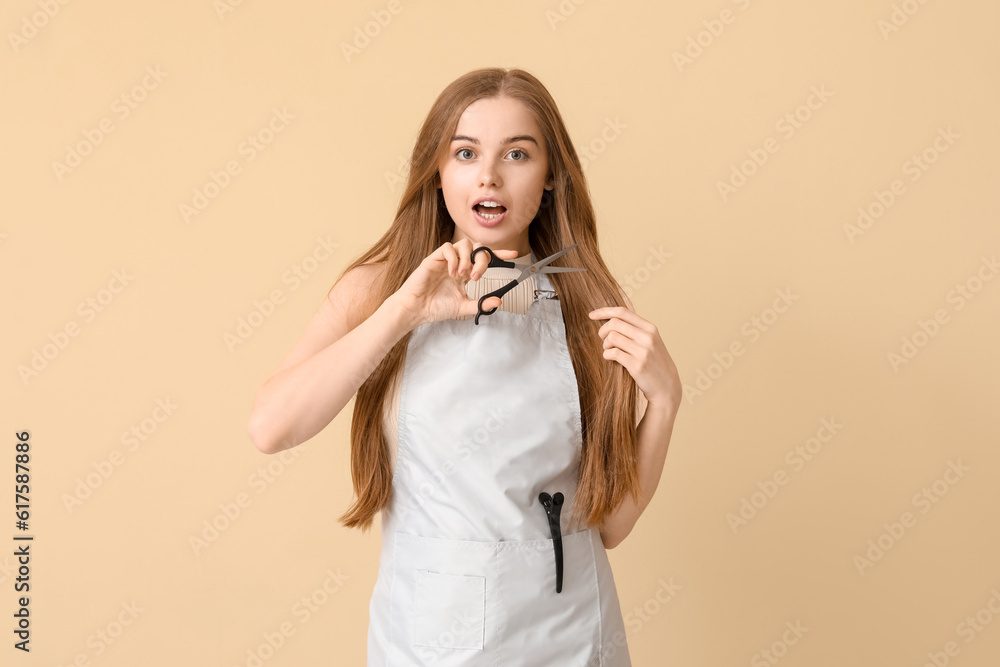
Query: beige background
point(660, 138)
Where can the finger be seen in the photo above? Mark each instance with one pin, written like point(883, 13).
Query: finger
point(623, 315)
point(607, 312)
point(616, 339)
point(472, 307)
point(623, 350)
point(483, 261)
point(448, 250)
point(464, 250)
point(623, 328)
point(622, 357)
point(501, 252)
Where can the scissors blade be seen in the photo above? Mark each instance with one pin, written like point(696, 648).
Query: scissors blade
point(560, 269)
point(537, 266)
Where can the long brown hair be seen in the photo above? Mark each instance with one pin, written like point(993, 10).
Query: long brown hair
point(607, 391)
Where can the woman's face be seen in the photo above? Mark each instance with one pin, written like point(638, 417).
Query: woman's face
point(497, 153)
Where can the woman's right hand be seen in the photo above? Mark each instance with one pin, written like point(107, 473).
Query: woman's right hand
point(436, 288)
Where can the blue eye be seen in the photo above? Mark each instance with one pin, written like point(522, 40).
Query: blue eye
point(518, 150)
point(463, 150)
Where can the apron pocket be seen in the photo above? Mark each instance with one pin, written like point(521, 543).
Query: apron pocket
point(449, 610)
point(442, 601)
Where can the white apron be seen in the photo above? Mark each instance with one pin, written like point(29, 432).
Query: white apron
point(489, 420)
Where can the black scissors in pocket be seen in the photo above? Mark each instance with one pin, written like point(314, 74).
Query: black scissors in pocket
point(538, 267)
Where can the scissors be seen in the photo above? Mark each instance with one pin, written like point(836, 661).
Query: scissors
point(537, 267)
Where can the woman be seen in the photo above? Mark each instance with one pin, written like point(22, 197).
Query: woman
point(514, 460)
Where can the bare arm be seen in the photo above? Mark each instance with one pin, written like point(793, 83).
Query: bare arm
point(655, 430)
point(337, 353)
point(635, 343)
point(334, 357)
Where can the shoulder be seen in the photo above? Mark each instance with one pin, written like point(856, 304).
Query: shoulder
point(348, 295)
point(362, 276)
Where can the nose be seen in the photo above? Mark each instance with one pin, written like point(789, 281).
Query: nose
point(488, 174)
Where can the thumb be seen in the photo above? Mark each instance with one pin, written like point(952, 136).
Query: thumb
point(506, 253)
point(473, 305)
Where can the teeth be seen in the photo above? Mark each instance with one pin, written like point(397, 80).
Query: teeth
point(489, 204)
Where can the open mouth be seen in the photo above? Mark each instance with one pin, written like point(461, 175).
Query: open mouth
point(489, 210)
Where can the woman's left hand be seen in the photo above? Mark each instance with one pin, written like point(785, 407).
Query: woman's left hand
point(636, 344)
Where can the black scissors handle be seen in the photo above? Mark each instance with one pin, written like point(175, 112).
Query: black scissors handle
point(497, 293)
point(495, 262)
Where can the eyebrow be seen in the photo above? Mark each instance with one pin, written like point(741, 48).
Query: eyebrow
point(508, 140)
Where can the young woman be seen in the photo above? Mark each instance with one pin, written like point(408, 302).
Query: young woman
point(502, 453)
